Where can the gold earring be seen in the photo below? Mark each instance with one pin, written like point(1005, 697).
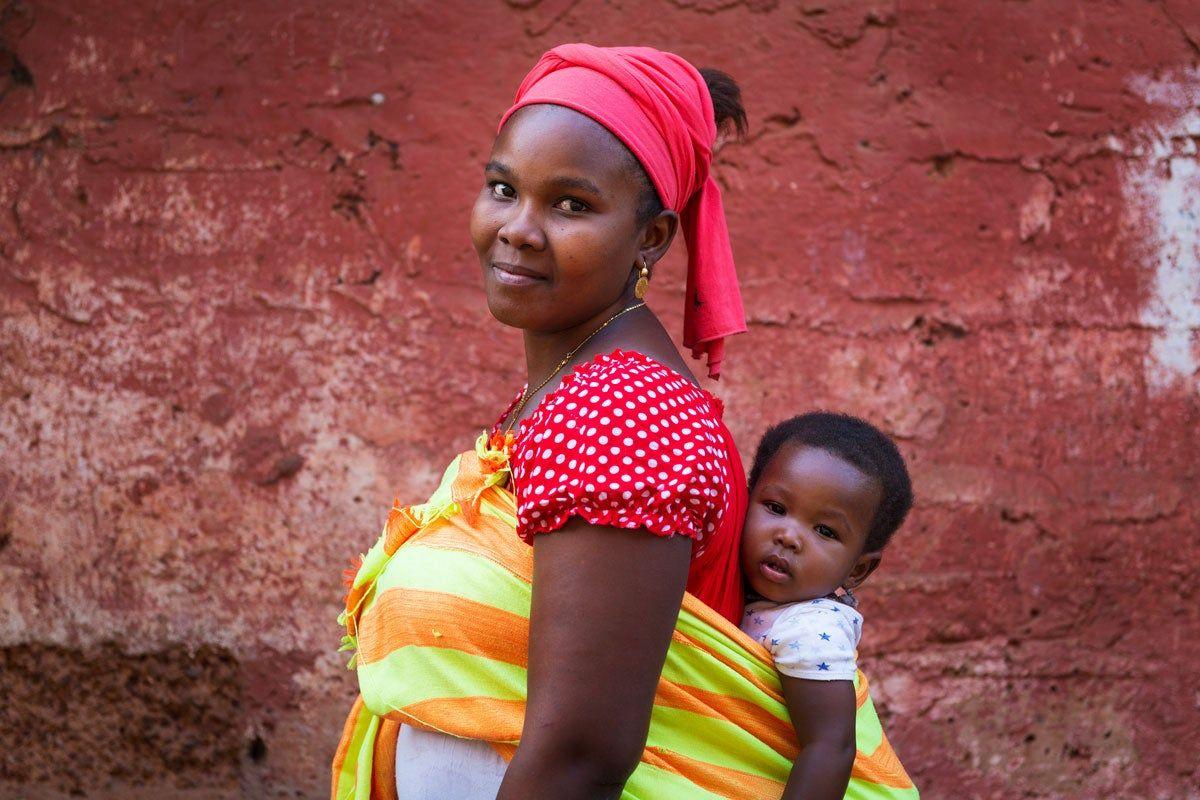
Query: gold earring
point(643, 282)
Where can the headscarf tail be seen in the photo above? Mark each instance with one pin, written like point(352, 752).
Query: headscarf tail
point(713, 298)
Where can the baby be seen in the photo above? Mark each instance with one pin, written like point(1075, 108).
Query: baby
point(827, 491)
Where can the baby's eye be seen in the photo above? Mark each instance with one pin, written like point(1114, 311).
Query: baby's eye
point(774, 508)
point(501, 189)
point(826, 531)
point(571, 205)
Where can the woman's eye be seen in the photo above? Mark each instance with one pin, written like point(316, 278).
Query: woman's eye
point(826, 531)
point(500, 189)
point(775, 508)
point(571, 205)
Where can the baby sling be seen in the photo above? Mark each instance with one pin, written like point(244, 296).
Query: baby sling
point(438, 617)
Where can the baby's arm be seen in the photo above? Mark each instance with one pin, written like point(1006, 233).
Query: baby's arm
point(823, 714)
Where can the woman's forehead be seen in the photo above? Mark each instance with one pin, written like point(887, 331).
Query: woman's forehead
point(549, 140)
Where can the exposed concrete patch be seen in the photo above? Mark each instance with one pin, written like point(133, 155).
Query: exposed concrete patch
point(1164, 186)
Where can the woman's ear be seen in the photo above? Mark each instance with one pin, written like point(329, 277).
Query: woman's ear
point(862, 569)
point(657, 236)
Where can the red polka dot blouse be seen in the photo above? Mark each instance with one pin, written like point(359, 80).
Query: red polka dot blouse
point(627, 442)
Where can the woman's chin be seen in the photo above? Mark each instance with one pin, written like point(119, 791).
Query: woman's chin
point(525, 307)
point(511, 311)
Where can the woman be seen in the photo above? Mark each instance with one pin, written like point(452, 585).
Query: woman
point(568, 223)
point(612, 463)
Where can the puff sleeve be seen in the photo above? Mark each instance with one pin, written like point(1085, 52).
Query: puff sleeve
point(626, 443)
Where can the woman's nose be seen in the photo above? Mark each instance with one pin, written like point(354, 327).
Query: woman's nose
point(522, 230)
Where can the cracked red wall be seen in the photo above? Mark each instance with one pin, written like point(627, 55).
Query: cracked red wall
point(240, 311)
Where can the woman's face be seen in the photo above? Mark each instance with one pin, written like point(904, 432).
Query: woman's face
point(555, 225)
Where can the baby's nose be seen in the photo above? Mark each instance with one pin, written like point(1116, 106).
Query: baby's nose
point(787, 537)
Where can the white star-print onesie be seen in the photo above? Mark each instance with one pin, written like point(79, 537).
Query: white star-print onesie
point(814, 640)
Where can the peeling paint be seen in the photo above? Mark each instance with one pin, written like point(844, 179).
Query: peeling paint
point(1164, 185)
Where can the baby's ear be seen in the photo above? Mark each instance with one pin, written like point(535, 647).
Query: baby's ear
point(862, 569)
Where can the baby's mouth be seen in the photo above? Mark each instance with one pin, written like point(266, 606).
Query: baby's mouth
point(775, 568)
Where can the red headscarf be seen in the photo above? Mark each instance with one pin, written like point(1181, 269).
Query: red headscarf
point(658, 105)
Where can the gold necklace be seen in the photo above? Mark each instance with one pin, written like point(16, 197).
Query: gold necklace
point(526, 394)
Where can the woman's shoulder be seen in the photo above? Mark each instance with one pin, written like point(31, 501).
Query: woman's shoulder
point(630, 382)
point(625, 399)
point(625, 442)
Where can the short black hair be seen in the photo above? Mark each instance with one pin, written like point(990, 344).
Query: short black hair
point(728, 114)
point(859, 443)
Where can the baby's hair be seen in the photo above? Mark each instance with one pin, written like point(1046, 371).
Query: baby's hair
point(728, 114)
point(858, 442)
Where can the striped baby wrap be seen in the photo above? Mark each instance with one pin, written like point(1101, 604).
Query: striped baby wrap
point(440, 627)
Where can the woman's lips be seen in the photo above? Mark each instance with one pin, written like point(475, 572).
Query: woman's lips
point(775, 569)
point(513, 275)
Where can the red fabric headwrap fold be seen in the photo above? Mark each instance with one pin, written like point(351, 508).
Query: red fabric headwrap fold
point(658, 105)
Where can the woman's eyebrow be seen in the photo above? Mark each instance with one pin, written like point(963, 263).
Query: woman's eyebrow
point(562, 181)
point(582, 184)
point(496, 166)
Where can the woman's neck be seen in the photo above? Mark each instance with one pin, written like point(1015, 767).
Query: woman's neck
point(638, 330)
point(545, 351)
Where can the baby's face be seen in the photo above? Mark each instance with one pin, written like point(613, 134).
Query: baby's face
point(806, 526)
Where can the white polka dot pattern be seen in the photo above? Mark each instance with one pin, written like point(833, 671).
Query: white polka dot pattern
point(624, 442)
